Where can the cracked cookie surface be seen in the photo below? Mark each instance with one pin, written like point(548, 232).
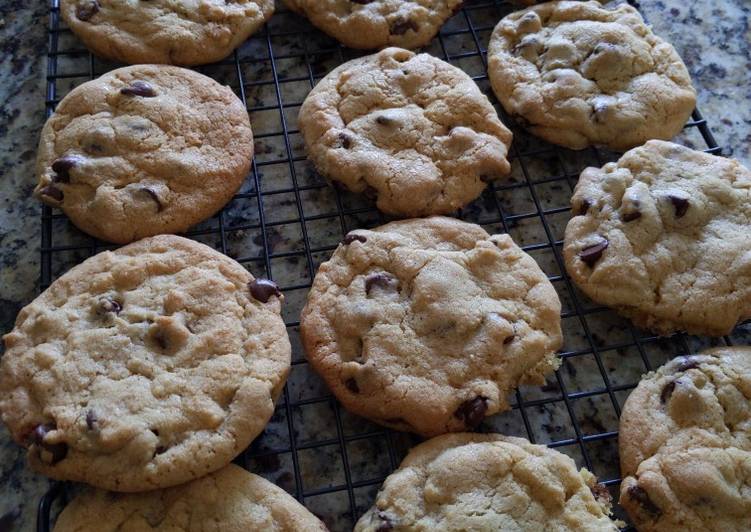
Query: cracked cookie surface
point(411, 130)
point(488, 482)
point(237, 500)
point(369, 24)
point(144, 367)
point(144, 150)
point(427, 325)
point(664, 237)
point(179, 32)
point(578, 74)
point(685, 445)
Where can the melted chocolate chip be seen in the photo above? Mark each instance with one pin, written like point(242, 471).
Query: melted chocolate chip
point(601, 492)
point(91, 419)
point(687, 363)
point(139, 88)
point(679, 204)
point(352, 386)
point(263, 289)
point(160, 449)
point(667, 391)
point(591, 254)
point(352, 237)
point(384, 120)
point(640, 496)
point(509, 339)
point(53, 192)
point(107, 304)
point(582, 207)
point(401, 26)
point(386, 523)
point(87, 9)
point(345, 140)
point(382, 280)
point(154, 196)
point(57, 450)
point(160, 339)
point(472, 412)
point(630, 216)
point(62, 167)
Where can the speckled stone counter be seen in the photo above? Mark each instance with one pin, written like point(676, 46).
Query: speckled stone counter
point(713, 38)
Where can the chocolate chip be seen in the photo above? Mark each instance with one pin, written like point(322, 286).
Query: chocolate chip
point(107, 304)
point(601, 493)
point(472, 412)
point(91, 419)
point(370, 193)
point(160, 449)
point(386, 524)
point(159, 338)
point(345, 140)
point(62, 167)
point(401, 26)
point(679, 204)
point(582, 207)
point(630, 216)
point(381, 280)
point(667, 391)
point(362, 2)
point(687, 363)
point(591, 254)
point(87, 9)
point(154, 196)
point(53, 192)
point(384, 120)
point(352, 386)
point(57, 450)
point(640, 496)
point(139, 88)
point(352, 237)
point(509, 339)
point(263, 289)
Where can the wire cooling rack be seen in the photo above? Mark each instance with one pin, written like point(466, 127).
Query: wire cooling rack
point(286, 220)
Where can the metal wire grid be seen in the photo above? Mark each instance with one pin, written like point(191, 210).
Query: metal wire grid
point(280, 207)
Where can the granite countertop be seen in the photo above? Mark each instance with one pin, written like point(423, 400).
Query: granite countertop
point(713, 38)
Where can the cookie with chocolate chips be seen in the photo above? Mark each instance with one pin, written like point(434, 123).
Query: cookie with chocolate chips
point(427, 325)
point(164, 31)
point(144, 150)
point(685, 445)
point(231, 500)
point(579, 74)
point(488, 482)
point(144, 367)
point(664, 237)
point(370, 24)
point(411, 131)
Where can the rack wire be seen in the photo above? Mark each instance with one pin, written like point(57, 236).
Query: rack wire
point(286, 220)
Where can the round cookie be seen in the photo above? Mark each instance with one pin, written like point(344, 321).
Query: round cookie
point(664, 237)
point(144, 150)
point(411, 130)
point(144, 367)
point(488, 482)
point(427, 325)
point(164, 31)
point(231, 500)
point(685, 445)
point(369, 24)
point(578, 74)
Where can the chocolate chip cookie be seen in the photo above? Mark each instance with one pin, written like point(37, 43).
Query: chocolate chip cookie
point(370, 24)
point(685, 445)
point(488, 482)
point(144, 367)
point(578, 74)
point(664, 237)
point(427, 325)
point(410, 131)
point(144, 150)
point(230, 500)
point(164, 31)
